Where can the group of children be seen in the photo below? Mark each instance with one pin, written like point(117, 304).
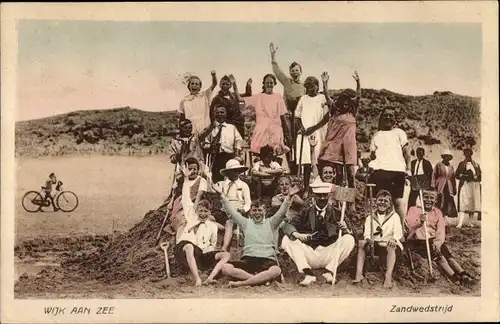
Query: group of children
point(306, 134)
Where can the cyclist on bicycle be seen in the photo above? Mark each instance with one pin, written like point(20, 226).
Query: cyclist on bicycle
point(52, 186)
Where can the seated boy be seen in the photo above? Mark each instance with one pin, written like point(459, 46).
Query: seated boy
point(259, 263)
point(237, 192)
point(385, 240)
point(196, 248)
point(415, 222)
point(266, 172)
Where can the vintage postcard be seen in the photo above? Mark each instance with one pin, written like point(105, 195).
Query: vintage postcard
point(250, 162)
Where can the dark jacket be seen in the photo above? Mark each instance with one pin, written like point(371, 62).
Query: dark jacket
point(466, 176)
point(427, 168)
point(305, 223)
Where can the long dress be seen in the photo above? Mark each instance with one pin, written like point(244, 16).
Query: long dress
point(196, 108)
point(469, 189)
point(268, 130)
point(341, 131)
point(310, 110)
point(445, 183)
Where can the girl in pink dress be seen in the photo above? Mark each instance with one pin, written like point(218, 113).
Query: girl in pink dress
point(339, 146)
point(270, 126)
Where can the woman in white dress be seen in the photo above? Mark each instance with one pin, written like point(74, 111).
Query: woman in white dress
point(311, 109)
point(469, 188)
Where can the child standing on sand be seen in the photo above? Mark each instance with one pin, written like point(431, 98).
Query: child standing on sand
point(310, 111)
point(196, 105)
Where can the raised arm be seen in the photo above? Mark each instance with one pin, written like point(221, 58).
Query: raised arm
point(248, 89)
point(280, 215)
point(214, 80)
point(280, 75)
point(325, 77)
point(358, 93)
point(232, 213)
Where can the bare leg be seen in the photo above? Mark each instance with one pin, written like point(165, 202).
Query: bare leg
point(260, 278)
point(391, 260)
point(361, 261)
point(223, 257)
point(228, 235)
point(230, 271)
point(398, 206)
point(189, 250)
point(455, 266)
point(446, 267)
point(461, 216)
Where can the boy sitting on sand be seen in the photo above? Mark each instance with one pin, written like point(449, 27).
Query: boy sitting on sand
point(259, 263)
point(265, 173)
point(385, 240)
point(196, 248)
point(436, 233)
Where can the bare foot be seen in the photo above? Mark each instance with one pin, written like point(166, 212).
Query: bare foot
point(388, 283)
point(198, 282)
point(358, 279)
point(234, 284)
point(210, 282)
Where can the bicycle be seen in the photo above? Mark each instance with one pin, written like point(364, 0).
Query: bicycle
point(33, 201)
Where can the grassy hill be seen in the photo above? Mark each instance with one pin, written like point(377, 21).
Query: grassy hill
point(442, 118)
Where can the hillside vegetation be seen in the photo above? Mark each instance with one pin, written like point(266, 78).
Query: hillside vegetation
point(441, 118)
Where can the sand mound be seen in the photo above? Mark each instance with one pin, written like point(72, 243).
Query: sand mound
point(134, 256)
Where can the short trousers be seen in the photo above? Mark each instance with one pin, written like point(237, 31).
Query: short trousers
point(204, 261)
point(381, 250)
point(420, 247)
point(253, 265)
point(392, 181)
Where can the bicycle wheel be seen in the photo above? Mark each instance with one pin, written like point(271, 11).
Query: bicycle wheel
point(32, 201)
point(67, 201)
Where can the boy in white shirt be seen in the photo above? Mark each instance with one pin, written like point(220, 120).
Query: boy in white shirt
point(387, 234)
point(237, 192)
point(266, 172)
point(196, 248)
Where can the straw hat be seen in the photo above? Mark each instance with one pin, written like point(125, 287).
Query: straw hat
point(233, 165)
point(446, 152)
point(319, 186)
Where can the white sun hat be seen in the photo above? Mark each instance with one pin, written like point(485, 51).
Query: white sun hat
point(447, 152)
point(233, 165)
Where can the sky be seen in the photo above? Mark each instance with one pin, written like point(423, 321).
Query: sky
point(77, 65)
